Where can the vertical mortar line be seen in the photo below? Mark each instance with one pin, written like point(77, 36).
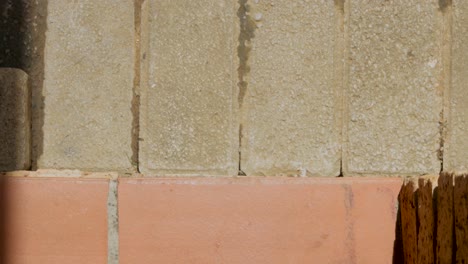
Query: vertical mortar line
point(341, 73)
point(246, 34)
point(241, 13)
point(113, 223)
point(136, 87)
point(445, 8)
point(144, 76)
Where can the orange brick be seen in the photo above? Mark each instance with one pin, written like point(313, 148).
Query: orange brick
point(257, 220)
point(53, 221)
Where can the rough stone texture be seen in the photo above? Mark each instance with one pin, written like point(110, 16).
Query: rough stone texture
point(409, 229)
point(88, 80)
point(456, 154)
point(426, 222)
point(15, 120)
point(444, 241)
point(460, 197)
point(394, 93)
point(253, 220)
point(290, 112)
point(188, 108)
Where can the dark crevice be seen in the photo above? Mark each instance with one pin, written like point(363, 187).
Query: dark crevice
point(442, 131)
point(240, 171)
point(341, 168)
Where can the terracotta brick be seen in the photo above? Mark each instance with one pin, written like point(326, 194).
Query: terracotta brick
point(53, 221)
point(257, 220)
point(374, 214)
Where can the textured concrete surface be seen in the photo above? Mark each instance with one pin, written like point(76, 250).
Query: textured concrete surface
point(189, 116)
point(88, 80)
point(290, 105)
point(394, 95)
point(15, 120)
point(53, 221)
point(456, 154)
point(257, 220)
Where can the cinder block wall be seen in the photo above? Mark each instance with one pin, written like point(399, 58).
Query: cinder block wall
point(223, 88)
point(248, 87)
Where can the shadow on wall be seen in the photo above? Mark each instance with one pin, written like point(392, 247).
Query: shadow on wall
point(22, 41)
point(22, 31)
point(398, 243)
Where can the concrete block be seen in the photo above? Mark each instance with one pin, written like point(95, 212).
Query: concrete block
point(88, 81)
point(456, 154)
point(15, 120)
point(394, 91)
point(188, 112)
point(291, 120)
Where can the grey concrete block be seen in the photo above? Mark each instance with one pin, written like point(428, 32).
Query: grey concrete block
point(88, 84)
point(394, 93)
point(291, 104)
point(188, 110)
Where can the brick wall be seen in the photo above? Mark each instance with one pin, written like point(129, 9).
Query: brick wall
point(150, 88)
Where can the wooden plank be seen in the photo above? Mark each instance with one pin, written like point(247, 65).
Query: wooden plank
point(425, 216)
point(408, 220)
point(461, 217)
point(444, 200)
